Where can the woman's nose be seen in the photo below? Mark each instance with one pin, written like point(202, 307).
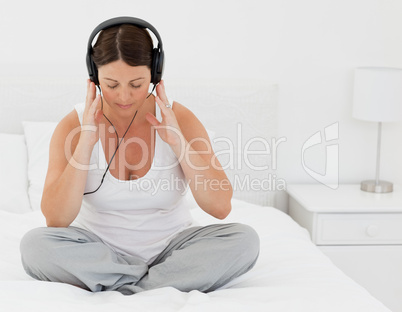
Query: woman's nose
point(125, 95)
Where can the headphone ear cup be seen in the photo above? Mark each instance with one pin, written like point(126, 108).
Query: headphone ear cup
point(92, 70)
point(95, 71)
point(94, 76)
point(157, 66)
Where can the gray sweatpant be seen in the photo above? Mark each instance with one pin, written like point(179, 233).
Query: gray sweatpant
point(199, 258)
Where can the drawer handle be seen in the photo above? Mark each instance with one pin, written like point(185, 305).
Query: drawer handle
point(372, 230)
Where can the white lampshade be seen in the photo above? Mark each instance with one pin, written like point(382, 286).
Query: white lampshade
point(377, 94)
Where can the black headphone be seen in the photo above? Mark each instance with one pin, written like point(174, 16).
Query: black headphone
point(157, 57)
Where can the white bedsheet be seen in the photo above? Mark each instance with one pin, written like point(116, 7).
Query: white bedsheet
point(290, 275)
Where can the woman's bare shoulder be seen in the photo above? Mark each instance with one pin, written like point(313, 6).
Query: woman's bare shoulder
point(182, 112)
point(190, 125)
point(68, 126)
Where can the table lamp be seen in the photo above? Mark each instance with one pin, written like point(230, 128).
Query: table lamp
point(377, 96)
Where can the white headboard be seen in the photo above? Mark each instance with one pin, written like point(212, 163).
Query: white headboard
point(37, 99)
point(241, 113)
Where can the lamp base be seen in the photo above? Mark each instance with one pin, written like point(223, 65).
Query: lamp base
point(381, 187)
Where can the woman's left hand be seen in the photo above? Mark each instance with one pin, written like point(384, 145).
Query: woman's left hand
point(168, 129)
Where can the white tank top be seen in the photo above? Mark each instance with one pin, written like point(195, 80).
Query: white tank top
point(136, 217)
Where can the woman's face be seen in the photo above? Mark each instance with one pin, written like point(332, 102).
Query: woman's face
point(124, 87)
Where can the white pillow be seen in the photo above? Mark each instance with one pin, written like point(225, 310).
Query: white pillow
point(13, 173)
point(37, 137)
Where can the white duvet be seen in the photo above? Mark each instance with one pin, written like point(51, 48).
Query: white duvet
point(290, 275)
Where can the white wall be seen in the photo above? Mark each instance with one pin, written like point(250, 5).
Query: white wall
point(309, 47)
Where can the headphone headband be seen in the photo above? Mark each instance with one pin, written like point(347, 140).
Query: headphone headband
point(158, 54)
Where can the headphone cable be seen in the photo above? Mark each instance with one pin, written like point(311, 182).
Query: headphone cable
point(118, 145)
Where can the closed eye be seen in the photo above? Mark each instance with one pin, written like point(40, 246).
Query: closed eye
point(136, 86)
point(112, 87)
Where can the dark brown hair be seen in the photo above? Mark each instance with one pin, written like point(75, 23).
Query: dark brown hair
point(125, 42)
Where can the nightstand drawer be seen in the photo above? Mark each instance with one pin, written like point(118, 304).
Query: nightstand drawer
point(359, 229)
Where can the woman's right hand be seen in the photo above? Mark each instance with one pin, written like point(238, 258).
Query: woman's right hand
point(92, 116)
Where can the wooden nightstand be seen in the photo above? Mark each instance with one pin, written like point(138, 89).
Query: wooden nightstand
point(360, 232)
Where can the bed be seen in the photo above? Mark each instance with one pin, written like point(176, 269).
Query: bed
point(291, 274)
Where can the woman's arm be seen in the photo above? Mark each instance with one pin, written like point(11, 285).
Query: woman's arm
point(69, 155)
point(189, 141)
point(208, 182)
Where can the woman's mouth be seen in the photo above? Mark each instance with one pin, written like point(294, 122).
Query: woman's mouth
point(124, 106)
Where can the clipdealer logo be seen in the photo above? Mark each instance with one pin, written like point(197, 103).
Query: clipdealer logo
point(237, 154)
point(330, 178)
